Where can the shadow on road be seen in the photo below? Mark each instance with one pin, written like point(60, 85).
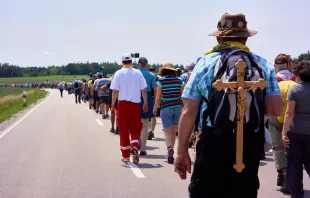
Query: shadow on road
point(145, 166)
point(158, 139)
point(150, 148)
point(153, 156)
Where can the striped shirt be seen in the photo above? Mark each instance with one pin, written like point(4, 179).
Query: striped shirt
point(171, 92)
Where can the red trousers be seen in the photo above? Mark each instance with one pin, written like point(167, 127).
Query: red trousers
point(129, 125)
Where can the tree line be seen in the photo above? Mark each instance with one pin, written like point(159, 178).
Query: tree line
point(8, 70)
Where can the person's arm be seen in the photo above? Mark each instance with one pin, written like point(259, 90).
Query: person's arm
point(289, 115)
point(154, 85)
point(115, 86)
point(144, 95)
point(104, 89)
point(143, 87)
point(158, 95)
point(273, 100)
point(273, 105)
point(114, 97)
point(186, 123)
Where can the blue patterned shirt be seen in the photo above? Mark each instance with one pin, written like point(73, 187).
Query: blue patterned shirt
point(201, 78)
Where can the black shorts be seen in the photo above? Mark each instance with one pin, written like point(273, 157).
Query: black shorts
point(96, 96)
point(104, 100)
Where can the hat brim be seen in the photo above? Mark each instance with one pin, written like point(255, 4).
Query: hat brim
point(161, 69)
point(248, 33)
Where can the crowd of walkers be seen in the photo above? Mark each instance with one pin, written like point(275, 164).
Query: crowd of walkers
point(191, 109)
point(41, 85)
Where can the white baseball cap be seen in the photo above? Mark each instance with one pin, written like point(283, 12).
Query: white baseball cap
point(126, 57)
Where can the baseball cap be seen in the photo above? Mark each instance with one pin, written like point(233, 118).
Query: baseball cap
point(126, 57)
point(143, 60)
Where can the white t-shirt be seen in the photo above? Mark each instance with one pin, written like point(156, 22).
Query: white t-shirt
point(129, 83)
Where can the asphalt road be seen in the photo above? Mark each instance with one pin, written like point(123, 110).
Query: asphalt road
point(63, 150)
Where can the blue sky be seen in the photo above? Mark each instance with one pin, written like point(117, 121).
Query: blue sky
point(47, 32)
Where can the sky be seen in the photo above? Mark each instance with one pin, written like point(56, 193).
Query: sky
point(57, 32)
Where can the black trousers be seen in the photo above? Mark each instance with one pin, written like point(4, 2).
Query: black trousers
point(298, 154)
point(61, 92)
point(77, 94)
point(214, 175)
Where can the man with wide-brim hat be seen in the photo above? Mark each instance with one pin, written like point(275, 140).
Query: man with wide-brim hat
point(214, 175)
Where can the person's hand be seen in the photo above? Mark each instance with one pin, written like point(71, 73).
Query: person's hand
point(285, 140)
point(155, 111)
point(145, 107)
point(182, 165)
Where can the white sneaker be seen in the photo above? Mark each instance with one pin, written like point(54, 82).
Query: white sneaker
point(125, 160)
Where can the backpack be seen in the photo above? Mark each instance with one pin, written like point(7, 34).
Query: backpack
point(292, 78)
point(222, 105)
point(76, 85)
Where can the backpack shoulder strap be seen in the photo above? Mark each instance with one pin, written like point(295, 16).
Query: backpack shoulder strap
point(293, 77)
point(188, 76)
point(279, 79)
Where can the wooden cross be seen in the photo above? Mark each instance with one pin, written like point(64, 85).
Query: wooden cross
point(241, 87)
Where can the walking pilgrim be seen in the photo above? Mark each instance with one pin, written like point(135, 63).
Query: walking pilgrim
point(127, 85)
point(237, 89)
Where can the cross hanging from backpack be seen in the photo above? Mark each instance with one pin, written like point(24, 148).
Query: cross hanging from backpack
point(240, 86)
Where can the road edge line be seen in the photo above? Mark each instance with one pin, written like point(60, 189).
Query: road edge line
point(6, 131)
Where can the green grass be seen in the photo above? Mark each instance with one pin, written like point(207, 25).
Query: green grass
point(15, 104)
point(4, 91)
point(21, 80)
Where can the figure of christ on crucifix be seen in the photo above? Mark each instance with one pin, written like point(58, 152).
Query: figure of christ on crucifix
point(240, 86)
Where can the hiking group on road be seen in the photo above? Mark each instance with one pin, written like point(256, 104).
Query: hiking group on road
point(193, 109)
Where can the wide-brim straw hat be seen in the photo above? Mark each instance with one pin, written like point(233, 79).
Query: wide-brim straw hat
point(166, 66)
point(233, 25)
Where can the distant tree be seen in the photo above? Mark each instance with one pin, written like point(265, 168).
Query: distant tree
point(304, 56)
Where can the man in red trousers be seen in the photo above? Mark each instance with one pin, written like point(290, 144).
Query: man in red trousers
point(127, 85)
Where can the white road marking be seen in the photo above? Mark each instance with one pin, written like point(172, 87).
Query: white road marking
point(135, 169)
point(24, 117)
point(99, 122)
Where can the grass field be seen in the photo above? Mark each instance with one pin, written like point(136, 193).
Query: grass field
point(11, 104)
point(21, 80)
point(4, 91)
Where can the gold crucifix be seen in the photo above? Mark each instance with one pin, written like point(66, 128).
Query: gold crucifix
point(241, 87)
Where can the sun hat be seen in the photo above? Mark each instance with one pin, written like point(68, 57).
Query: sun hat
point(233, 25)
point(166, 66)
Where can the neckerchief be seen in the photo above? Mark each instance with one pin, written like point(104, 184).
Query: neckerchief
point(228, 45)
point(127, 66)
